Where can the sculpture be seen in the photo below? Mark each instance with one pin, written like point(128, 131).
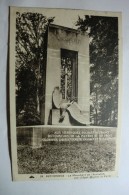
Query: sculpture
point(73, 110)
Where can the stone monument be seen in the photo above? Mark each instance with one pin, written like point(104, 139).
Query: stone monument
point(67, 89)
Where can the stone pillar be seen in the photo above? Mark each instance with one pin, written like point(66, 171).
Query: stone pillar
point(37, 137)
point(52, 79)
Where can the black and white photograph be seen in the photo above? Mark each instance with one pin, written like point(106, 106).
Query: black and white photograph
point(65, 84)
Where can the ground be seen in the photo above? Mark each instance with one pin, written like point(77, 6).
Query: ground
point(67, 157)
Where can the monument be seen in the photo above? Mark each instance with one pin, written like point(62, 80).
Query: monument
point(67, 86)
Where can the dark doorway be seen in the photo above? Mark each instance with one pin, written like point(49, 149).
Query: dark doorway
point(69, 74)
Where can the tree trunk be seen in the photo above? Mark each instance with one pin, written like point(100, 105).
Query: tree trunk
point(96, 116)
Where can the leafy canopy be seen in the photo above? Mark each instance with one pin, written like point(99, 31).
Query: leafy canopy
point(30, 67)
point(103, 35)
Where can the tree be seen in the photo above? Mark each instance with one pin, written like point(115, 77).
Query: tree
point(103, 34)
point(30, 65)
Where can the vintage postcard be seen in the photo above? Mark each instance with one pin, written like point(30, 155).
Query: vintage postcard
point(65, 93)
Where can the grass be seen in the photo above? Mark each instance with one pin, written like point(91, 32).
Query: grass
point(67, 157)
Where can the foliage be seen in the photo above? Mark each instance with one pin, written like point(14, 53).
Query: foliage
point(30, 65)
point(103, 35)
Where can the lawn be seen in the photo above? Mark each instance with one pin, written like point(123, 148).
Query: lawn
point(67, 157)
